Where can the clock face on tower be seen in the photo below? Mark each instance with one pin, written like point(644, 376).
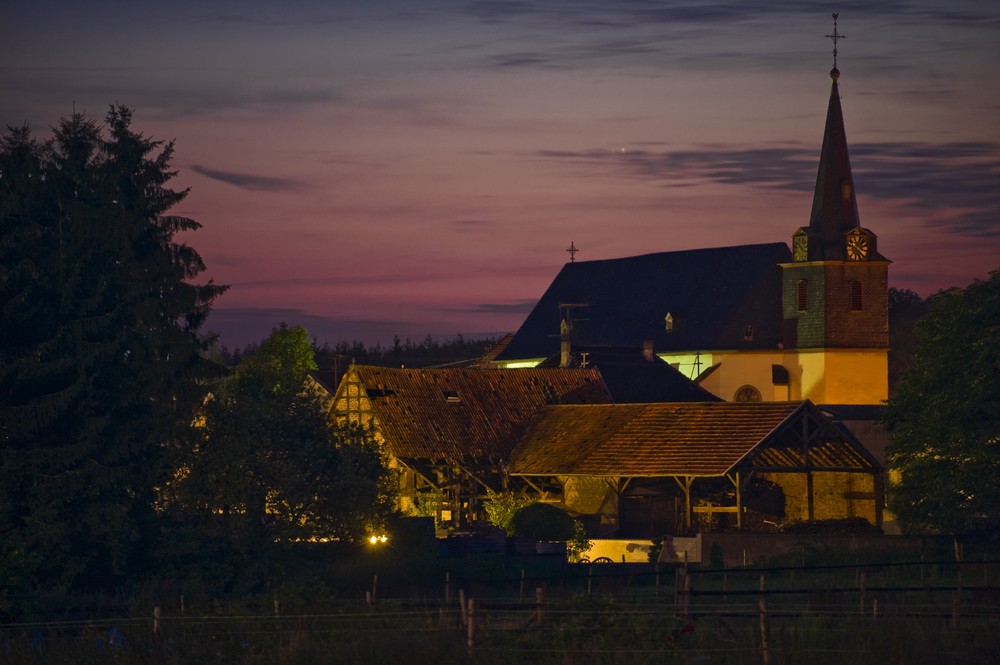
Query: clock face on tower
point(857, 247)
point(800, 248)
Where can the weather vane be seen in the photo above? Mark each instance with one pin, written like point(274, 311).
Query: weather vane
point(572, 251)
point(835, 36)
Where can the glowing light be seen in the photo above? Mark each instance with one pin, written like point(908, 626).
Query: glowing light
point(378, 539)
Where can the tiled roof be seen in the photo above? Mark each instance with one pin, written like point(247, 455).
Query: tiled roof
point(712, 294)
point(683, 439)
point(464, 413)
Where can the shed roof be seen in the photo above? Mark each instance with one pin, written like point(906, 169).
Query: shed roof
point(685, 439)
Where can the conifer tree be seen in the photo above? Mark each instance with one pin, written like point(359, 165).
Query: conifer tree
point(100, 353)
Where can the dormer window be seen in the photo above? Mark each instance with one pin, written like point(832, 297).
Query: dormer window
point(452, 396)
point(845, 190)
point(668, 322)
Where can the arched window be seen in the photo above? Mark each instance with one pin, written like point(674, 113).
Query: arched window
point(856, 296)
point(668, 322)
point(747, 393)
point(803, 295)
point(748, 333)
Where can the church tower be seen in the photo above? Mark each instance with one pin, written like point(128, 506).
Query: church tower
point(835, 290)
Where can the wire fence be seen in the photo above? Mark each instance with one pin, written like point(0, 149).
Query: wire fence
point(909, 612)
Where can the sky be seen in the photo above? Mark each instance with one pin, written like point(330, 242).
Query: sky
point(377, 169)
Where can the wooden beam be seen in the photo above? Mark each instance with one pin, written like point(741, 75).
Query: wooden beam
point(533, 486)
point(686, 488)
point(734, 478)
point(811, 508)
point(472, 475)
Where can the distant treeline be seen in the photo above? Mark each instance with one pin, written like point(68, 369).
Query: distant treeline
point(402, 353)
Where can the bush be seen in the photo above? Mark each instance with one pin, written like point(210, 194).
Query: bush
point(543, 522)
point(501, 507)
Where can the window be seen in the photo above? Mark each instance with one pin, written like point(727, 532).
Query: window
point(747, 394)
point(748, 333)
point(803, 295)
point(668, 321)
point(856, 300)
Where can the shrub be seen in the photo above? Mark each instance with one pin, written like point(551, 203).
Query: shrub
point(543, 522)
point(501, 507)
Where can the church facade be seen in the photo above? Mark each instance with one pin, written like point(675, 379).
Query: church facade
point(764, 322)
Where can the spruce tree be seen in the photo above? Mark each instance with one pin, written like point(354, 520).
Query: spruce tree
point(100, 348)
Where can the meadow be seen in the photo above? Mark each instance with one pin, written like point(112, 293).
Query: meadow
point(814, 607)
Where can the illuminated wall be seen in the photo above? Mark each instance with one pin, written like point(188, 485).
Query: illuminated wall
point(824, 376)
point(835, 495)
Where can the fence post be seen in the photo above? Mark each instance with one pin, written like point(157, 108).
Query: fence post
point(156, 621)
point(762, 606)
point(447, 589)
point(539, 604)
point(861, 583)
point(679, 576)
point(471, 627)
point(374, 587)
point(462, 608)
point(520, 592)
point(590, 579)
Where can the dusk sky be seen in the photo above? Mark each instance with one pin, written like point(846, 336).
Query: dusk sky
point(371, 169)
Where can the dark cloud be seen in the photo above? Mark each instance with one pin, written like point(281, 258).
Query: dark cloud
point(471, 224)
point(587, 31)
point(257, 183)
point(518, 307)
point(956, 183)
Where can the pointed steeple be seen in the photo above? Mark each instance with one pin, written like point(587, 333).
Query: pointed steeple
point(835, 206)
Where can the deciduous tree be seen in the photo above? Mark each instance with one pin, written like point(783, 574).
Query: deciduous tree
point(945, 417)
point(266, 464)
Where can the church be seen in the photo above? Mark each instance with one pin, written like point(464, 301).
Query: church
point(673, 392)
point(764, 322)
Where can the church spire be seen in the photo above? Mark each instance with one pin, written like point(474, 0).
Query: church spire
point(835, 208)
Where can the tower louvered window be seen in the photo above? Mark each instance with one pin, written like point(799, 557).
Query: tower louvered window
point(803, 295)
point(856, 296)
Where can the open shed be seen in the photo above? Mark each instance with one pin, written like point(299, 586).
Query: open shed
point(690, 463)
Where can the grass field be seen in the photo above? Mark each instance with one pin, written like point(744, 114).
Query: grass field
point(506, 610)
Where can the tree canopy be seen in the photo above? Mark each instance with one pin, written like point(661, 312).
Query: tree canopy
point(100, 351)
point(945, 417)
point(265, 464)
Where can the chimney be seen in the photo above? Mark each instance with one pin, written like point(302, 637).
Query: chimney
point(564, 348)
point(647, 349)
